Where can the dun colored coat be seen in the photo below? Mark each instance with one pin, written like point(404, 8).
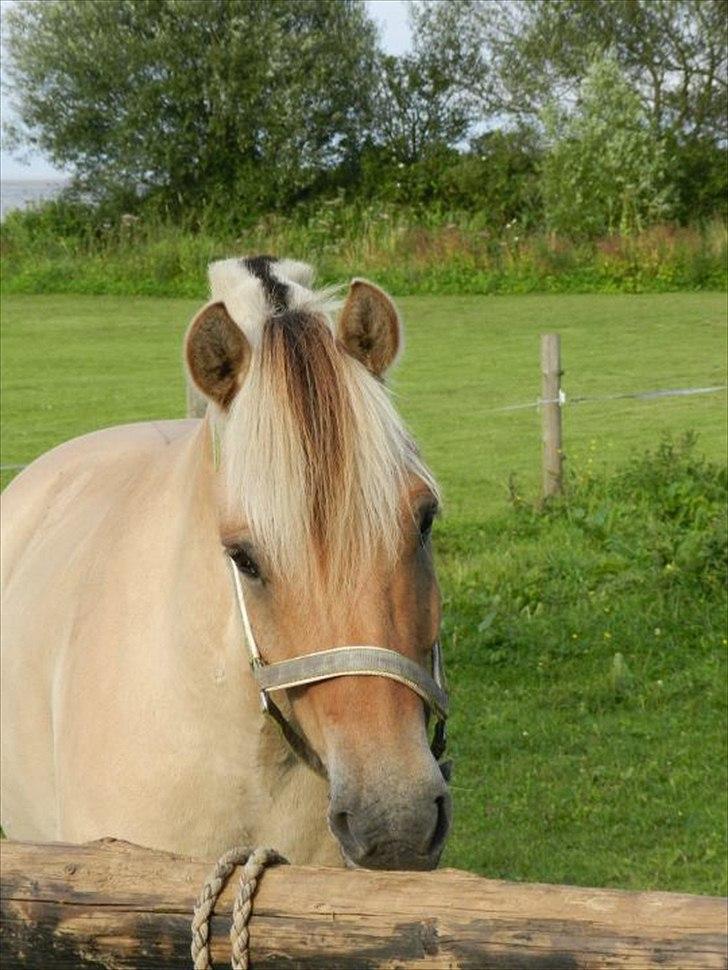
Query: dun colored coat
point(128, 708)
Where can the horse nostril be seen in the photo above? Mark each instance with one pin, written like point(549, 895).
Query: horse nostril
point(341, 828)
point(340, 822)
point(441, 826)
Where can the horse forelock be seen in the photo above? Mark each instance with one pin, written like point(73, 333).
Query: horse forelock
point(276, 290)
point(315, 456)
point(254, 287)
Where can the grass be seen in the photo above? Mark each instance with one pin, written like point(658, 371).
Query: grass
point(586, 643)
point(587, 649)
point(71, 364)
point(67, 248)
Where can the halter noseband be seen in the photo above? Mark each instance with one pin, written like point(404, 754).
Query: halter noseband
point(352, 661)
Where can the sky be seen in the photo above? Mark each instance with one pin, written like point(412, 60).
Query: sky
point(390, 15)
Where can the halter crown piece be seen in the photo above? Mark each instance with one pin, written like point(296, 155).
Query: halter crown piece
point(350, 661)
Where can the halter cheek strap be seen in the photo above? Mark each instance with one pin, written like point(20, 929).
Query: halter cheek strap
point(349, 661)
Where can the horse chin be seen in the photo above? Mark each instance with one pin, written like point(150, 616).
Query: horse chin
point(349, 863)
point(393, 857)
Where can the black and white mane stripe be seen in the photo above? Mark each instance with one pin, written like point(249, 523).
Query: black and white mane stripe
point(277, 293)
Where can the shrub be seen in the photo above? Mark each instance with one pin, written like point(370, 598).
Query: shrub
point(65, 246)
point(645, 546)
point(604, 169)
point(585, 642)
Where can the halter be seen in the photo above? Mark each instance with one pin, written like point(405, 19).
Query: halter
point(352, 661)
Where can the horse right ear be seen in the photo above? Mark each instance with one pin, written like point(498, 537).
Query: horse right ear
point(217, 353)
point(369, 327)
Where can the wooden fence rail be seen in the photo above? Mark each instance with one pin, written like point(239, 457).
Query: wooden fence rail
point(114, 905)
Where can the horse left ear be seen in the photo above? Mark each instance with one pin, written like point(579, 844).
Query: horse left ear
point(217, 353)
point(369, 327)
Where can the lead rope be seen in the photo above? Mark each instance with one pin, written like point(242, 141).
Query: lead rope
point(254, 861)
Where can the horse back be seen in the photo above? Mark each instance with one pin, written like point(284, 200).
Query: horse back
point(43, 492)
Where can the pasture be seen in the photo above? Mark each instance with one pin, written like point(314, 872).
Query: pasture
point(586, 654)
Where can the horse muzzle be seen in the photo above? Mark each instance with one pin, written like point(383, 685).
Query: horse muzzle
point(404, 829)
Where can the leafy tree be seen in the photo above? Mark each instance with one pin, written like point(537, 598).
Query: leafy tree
point(234, 104)
point(499, 177)
point(698, 173)
point(417, 109)
point(604, 168)
point(512, 57)
point(417, 120)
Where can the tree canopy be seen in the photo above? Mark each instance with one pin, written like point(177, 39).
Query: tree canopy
point(604, 170)
point(512, 57)
point(240, 107)
point(194, 98)
point(418, 108)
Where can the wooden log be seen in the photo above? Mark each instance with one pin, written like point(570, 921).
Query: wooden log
point(114, 905)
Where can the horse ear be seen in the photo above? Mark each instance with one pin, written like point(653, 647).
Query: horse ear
point(369, 327)
point(218, 354)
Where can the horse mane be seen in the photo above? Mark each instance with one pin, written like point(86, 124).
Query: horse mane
point(312, 449)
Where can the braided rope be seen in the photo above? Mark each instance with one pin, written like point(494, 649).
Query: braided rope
point(254, 861)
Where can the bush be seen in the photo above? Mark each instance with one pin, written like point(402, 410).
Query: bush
point(699, 173)
point(653, 532)
point(585, 642)
point(664, 514)
point(66, 246)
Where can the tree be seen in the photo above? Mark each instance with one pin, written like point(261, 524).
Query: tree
point(231, 103)
point(604, 168)
point(498, 177)
point(512, 57)
point(417, 109)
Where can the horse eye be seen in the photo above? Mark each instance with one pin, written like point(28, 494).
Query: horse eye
point(244, 561)
point(426, 520)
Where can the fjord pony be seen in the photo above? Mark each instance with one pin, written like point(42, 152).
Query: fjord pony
point(128, 707)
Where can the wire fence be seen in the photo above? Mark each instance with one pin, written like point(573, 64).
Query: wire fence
point(634, 395)
point(562, 400)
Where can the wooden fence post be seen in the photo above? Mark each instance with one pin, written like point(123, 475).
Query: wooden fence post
point(551, 414)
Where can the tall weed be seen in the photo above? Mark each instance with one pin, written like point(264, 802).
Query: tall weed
point(69, 247)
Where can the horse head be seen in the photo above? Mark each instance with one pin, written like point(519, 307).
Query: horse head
point(325, 508)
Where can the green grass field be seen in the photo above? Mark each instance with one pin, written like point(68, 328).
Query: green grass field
point(586, 646)
point(71, 364)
